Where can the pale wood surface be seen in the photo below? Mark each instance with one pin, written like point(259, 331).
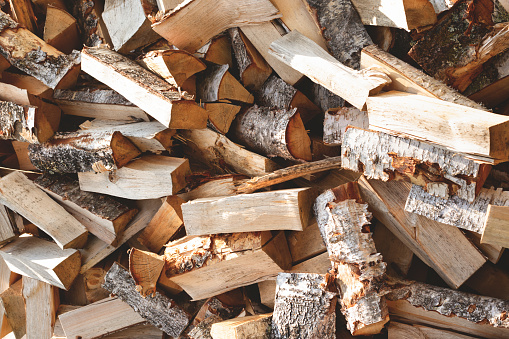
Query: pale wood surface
point(6, 226)
point(145, 268)
point(496, 226)
point(42, 301)
point(492, 252)
point(306, 244)
point(61, 30)
point(12, 307)
point(256, 326)
point(403, 331)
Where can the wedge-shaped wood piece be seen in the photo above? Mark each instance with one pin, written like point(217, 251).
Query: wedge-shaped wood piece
point(397, 330)
point(43, 260)
point(496, 226)
point(108, 316)
point(406, 78)
point(221, 115)
point(440, 307)
point(401, 158)
point(306, 244)
point(102, 215)
point(17, 122)
point(164, 102)
point(400, 14)
point(83, 151)
point(6, 226)
point(25, 51)
point(276, 210)
point(61, 30)
point(255, 326)
point(160, 311)
point(145, 268)
point(275, 133)
point(492, 252)
point(456, 127)
point(150, 177)
point(95, 102)
point(174, 66)
point(225, 261)
point(218, 50)
point(25, 81)
point(92, 28)
point(337, 121)
point(325, 70)
point(42, 302)
point(22, 196)
point(223, 155)
point(442, 247)
point(217, 84)
point(180, 27)
point(12, 306)
point(304, 307)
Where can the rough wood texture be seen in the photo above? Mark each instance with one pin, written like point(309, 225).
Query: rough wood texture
point(149, 177)
point(337, 121)
point(393, 250)
point(327, 71)
point(449, 309)
point(17, 122)
point(306, 244)
point(276, 210)
point(92, 28)
point(164, 102)
point(222, 185)
point(22, 196)
point(42, 301)
point(6, 226)
point(145, 268)
point(12, 308)
point(221, 115)
point(83, 151)
point(255, 326)
point(403, 331)
point(25, 51)
point(304, 307)
point(496, 230)
point(61, 30)
point(179, 26)
point(492, 252)
point(160, 311)
point(102, 215)
point(276, 133)
point(383, 156)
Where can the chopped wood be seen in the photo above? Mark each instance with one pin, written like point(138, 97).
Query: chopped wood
point(337, 121)
point(496, 226)
point(306, 244)
point(221, 115)
point(61, 30)
point(6, 226)
point(168, 5)
point(492, 252)
point(226, 261)
point(216, 84)
point(149, 177)
point(255, 326)
point(218, 50)
point(160, 311)
point(18, 122)
point(179, 26)
point(12, 307)
point(23, 13)
point(92, 28)
point(276, 133)
point(402, 331)
point(325, 70)
point(31, 84)
point(304, 307)
point(145, 268)
point(393, 250)
point(42, 302)
point(164, 102)
point(490, 281)
point(222, 186)
point(102, 215)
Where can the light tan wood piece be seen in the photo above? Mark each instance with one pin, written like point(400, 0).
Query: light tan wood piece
point(6, 226)
point(168, 5)
point(218, 50)
point(21, 149)
point(403, 331)
point(22, 12)
point(256, 326)
point(217, 84)
point(222, 186)
point(12, 307)
point(31, 84)
point(145, 268)
point(61, 30)
point(150, 177)
point(306, 244)
point(164, 102)
point(492, 252)
point(325, 70)
point(393, 250)
point(42, 302)
point(22, 196)
point(180, 27)
point(221, 115)
point(276, 210)
point(496, 226)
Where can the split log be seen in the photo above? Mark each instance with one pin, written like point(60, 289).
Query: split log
point(30, 54)
point(276, 93)
point(146, 136)
point(214, 310)
point(277, 210)
point(107, 316)
point(18, 122)
point(12, 307)
point(276, 133)
point(449, 309)
point(22, 196)
point(98, 103)
point(145, 268)
point(24, 81)
point(337, 121)
point(102, 215)
point(256, 326)
point(361, 83)
point(92, 281)
point(462, 129)
point(492, 252)
point(253, 69)
point(470, 39)
point(83, 151)
point(490, 281)
point(221, 115)
point(160, 311)
point(442, 247)
point(306, 244)
point(174, 66)
point(61, 30)
point(23, 13)
point(403, 331)
point(42, 302)
point(166, 223)
point(216, 84)
point(150, 177)
point(218, 50)
point(226, 261)
point(164, 102)
point(393, 250)
point(91, 24)
point(450, 173)
point(496, 226)
point(6, 226)
point(224, 185)
point(304, 307)
point(179, 26)
point(223, 155)
point(406, 78)
point(407, 15)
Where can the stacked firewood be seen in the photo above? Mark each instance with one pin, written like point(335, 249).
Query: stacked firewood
point(254, 169)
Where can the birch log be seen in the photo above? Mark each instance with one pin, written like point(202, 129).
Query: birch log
point(61, 30)
point(217, 84)
point(337, 120)
point(18, 122)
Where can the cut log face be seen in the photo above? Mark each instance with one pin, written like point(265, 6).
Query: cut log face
point(179, 26)
point(160, 311)
point(164, 102)
point(225, 261)
point(150, 177)
point(496, 226)
point(304, 307)
point(83, 151)
point(42, 260)
point(337, 121)
point(145, 268)
point(221, 115)
point(256, 326)
point(277, 210)
point(218, 50)
point(276, 133)
point(61, 30)
point(6, 226)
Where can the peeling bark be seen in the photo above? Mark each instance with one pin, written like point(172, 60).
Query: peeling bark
point(17, 122)
point(337, 121)
point(92, 28)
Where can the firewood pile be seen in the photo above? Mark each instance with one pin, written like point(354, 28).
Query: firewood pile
point(254, 169)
